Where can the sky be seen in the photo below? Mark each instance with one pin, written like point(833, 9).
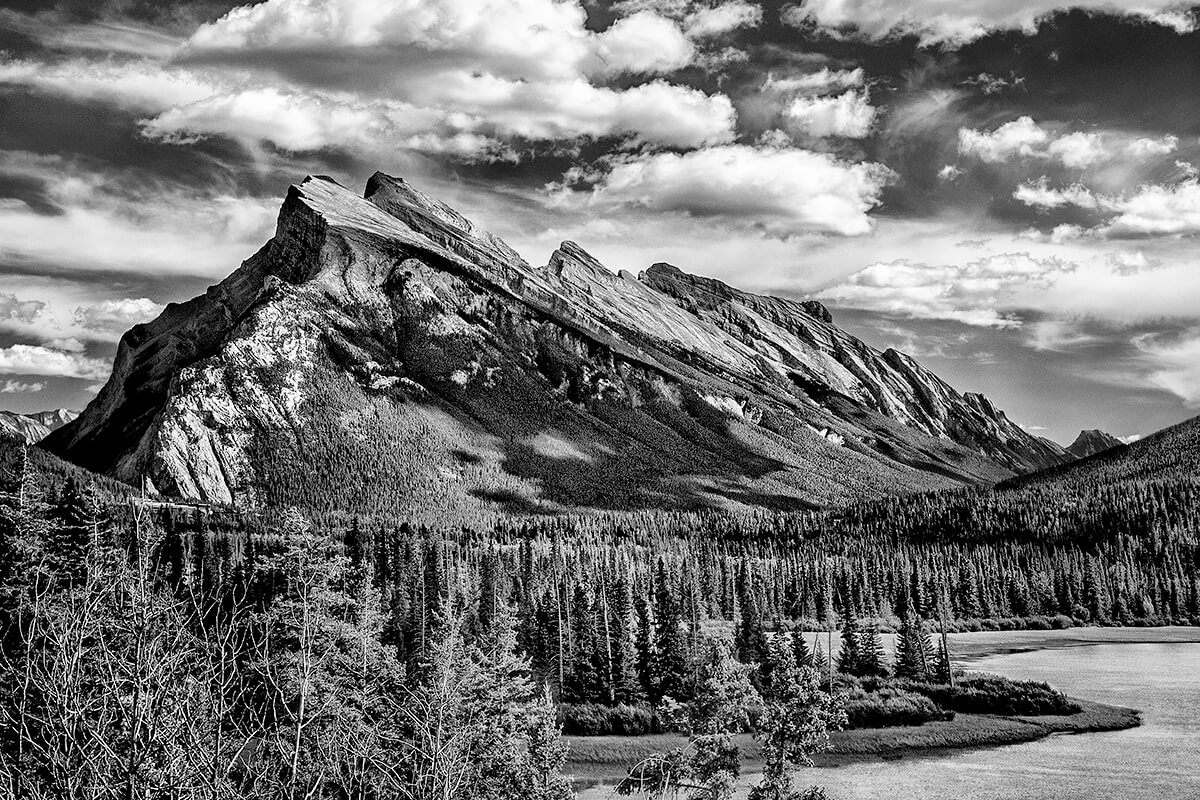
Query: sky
point(1009, 192)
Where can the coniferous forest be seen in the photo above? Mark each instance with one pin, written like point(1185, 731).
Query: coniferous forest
point(155, 650)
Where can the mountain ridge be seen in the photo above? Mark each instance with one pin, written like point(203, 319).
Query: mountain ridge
point(34, 426)
point(392, 321)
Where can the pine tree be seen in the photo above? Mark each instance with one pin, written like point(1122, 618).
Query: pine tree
point(795, 723)
point(669, 662)
point(849, 655)
point(870, 653)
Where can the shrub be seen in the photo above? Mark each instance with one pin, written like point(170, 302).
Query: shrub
point(1062, 622)
point(889, 707)
point(594, 719)
point(992, 694)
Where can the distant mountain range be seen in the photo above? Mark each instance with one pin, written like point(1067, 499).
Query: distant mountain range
point(34, 427)
point(385, 354)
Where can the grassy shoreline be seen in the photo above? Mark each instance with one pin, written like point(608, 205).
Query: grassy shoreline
point(605, 759)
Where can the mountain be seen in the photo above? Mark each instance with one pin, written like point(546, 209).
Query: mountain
point(1091, 442)
point(36, 426)
point(1170, 454)
point(382, 353)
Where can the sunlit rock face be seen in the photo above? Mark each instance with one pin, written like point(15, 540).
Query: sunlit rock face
point(34, 427)
point(383, 354)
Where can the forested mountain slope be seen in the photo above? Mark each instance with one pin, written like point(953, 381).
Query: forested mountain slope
point(385, 355)
point(1170, 454)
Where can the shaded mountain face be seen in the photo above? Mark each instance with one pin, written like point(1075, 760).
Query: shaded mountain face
point(34, 427)
point(1091, 442)
point(384, 354)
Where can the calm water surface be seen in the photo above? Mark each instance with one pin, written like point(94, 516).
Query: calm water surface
point(1159, 760)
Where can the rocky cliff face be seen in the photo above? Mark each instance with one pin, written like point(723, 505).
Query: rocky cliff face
point(1091, 442)
point(384, 354)
point(34, 427)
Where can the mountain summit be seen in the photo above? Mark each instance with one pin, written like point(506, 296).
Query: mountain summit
point(1091, 442)
point(382, 353)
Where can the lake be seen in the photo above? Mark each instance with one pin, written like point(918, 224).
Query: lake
point(1154, 670)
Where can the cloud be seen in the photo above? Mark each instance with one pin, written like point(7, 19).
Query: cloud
point(1039, 194)
point(783, 191)
point(949, 172)
point(1156, 211)
point(1057, 335)
point(453, 76)
point(1150, 210)
point(1145, 147)
point(1175, 364)
point(823, 81)
point(116, 316)
point(644, 42)
point(849, 115)
point(722, 19)
point(1021, 137)
point(21, 387)
point(110, 222)
point(15, 309)
point(23, 359)
point(1130, 438)
point(1078, 150)
point(974, 293)
point(942, 22)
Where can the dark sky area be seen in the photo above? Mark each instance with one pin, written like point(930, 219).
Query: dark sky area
point(1007, 191)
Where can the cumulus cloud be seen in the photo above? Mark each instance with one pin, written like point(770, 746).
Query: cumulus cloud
point(644, 42)
point(24, 359)
point(848, 115)
point(1078, 150)
point(783, 191)
point(974, 293)
point(116, 316)
point(1039, 194)
point(1145, 147)
point(703, 23)
point(943, 22)
point(1150, 210)
point(1022, 137)
point(456, 76)
point(21, 387)
point(450, 77)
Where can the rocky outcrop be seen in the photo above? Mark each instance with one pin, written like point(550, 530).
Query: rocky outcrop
point(383, 353)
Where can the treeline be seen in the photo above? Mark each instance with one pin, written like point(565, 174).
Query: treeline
point(614, 613)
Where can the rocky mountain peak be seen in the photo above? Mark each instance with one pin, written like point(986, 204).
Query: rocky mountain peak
point(1093, 441)
point(386, 352)
point(570, 257)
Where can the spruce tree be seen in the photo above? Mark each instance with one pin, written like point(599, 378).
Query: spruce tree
point(850, 652)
